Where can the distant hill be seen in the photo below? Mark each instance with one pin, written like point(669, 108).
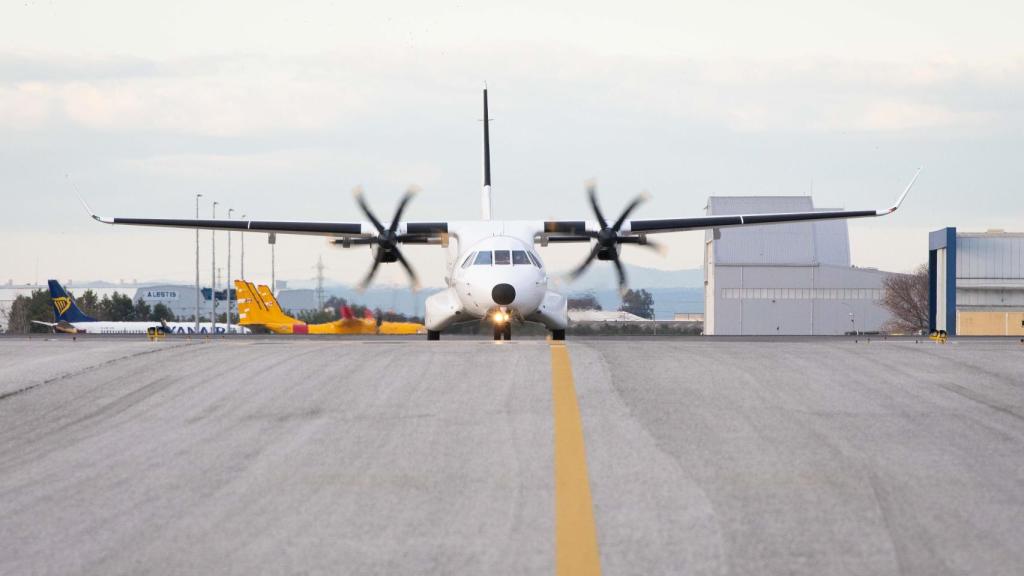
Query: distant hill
point(601, 276)
point(667, 301)
point(673, 290)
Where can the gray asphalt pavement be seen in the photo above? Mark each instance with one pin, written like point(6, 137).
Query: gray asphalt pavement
point(400, 456)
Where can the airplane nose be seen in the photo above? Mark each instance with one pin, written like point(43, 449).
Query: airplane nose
point(503, 294)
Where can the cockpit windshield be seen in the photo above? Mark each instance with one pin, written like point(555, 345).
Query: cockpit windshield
point(503, 258)
point(535, 260)
point(519, 257)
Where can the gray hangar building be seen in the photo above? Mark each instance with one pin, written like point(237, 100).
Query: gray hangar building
point(786, 279)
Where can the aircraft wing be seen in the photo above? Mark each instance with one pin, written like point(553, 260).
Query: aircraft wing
point(409, 232)
point(334, 229)
point(583, 231)
point(61, 326)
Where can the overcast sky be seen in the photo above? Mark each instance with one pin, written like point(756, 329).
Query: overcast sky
point(279, 109)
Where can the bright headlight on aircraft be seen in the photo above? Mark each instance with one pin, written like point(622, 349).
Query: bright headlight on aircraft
point(500, 317)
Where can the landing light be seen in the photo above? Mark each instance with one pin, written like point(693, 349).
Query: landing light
point(500, 317)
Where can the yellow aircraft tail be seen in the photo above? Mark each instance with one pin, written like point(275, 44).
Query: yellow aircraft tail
point(258, 305)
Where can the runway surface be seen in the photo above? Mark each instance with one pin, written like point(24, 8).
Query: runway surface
point(401, 456)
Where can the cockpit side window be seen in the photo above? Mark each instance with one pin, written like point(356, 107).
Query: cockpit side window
point(469, 260)
point(535, 260)
point(501, 257)
point(519, 258)
point(483, 258)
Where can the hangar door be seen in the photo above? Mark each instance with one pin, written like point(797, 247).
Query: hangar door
point(977, 323)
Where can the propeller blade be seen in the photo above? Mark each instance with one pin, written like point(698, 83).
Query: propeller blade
point(401, 208)
point(408, 269)
point(621, 273)
point(629, 209)
point(358, 193)
point(656, 246)
point(579, 269)
point(369, 275)
point(592, 194)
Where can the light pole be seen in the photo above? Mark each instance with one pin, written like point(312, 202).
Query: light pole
point(213, 275)
point(241, 274)
point(198, 196)
point(227, 328)
point(272, 240)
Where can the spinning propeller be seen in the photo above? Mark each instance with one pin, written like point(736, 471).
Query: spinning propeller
point(387, 239)
point(608, 238)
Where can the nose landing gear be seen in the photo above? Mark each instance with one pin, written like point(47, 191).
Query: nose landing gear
point(503, 330)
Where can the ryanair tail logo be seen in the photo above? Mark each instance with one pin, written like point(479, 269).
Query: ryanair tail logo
point(62, 303)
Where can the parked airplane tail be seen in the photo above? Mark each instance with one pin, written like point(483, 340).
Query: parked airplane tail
point(271, 304)
point(64, 307)
point(258, 305)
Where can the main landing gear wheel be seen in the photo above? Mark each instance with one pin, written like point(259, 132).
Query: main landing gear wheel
point(433, 335)
point(558, 334)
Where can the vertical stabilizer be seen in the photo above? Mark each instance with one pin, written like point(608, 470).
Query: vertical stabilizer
point(64, 307)
point(486, 194)
point(258, 305)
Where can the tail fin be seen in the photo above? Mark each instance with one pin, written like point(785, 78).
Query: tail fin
point(258, 305)
point(64, 307)
point(273, 308)
point(485, 199)
point(250, 307)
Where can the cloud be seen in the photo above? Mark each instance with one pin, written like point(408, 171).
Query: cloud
point(232, 96)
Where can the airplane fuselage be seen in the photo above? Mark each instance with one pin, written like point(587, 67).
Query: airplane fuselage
point(103, 327)
point(494, 271)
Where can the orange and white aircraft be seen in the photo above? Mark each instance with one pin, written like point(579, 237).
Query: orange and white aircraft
point(258, 306)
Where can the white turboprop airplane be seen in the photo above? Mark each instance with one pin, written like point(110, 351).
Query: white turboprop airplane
point(493, 271)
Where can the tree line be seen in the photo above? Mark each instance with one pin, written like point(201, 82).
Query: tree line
point(114, 307)
point(639, 302)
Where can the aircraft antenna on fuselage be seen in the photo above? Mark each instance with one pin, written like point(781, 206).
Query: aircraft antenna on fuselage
point(486, 197)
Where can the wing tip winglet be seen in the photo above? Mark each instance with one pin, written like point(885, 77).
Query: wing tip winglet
point(93, 214)
point(86, 205)
point(899, 201)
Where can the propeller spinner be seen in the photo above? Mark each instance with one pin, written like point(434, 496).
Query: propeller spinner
point(608, 238)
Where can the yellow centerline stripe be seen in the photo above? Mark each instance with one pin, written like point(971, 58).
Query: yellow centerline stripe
point(575, 532)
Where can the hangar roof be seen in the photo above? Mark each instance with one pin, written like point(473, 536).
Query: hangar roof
point(799, 244)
